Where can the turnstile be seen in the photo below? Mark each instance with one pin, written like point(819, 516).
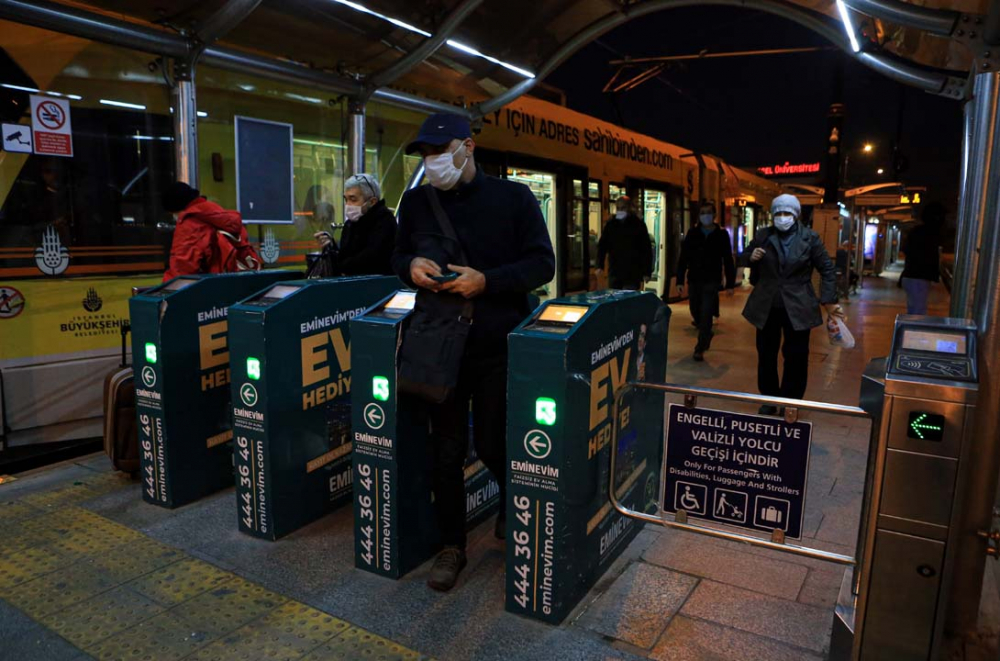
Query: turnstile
point(290, 360)
point(394, 527)
point(922, 398)
point(181, 360)
point(566, 363)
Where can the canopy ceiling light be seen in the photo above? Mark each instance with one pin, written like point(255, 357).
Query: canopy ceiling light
point(451, 42)
point(845, 18)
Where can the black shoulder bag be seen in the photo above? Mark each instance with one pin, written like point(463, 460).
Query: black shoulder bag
point(437, 330)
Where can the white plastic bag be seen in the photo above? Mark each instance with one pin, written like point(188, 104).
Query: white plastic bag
point(840, 334)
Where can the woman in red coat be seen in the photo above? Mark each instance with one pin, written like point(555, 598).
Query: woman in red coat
point(195, 248)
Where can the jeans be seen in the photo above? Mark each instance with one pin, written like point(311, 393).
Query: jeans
point(483, 381)
point(703, 299)
point(917, 291)
point(795, 351)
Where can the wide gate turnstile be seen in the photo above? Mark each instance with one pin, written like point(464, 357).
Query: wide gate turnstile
point(394, 526)
point(567, 361)
point(181, 361)
point(290, 357)
point(922, 398)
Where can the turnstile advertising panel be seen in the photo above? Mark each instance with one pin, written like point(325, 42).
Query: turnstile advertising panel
point(291, 369)
point(394, 526)
point(180, 343)
point(567, 362)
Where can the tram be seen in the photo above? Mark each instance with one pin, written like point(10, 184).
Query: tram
point(79, 230)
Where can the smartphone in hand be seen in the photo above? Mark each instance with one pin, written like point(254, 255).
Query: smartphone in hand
point(447, 277)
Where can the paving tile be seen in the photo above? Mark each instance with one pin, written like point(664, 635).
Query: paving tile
point(705, 557)
point(696, 640)
point(639, 604)
point(57, 590)
point(22, 566)
point(163, 637)
point(792, 623)
point(360, 644)
point(136, 559)
point(822, 588)
point(88, 623)
point(179, 581)
point(228, 606)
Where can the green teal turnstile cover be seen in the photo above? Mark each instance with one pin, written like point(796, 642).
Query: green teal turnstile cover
point(567, 362)
point(394, 527)
point(181, 360)
point(290, 356)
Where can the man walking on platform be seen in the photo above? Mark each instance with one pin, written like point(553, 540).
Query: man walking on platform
point(498, 227)
point(625, 240)
point(705, 254)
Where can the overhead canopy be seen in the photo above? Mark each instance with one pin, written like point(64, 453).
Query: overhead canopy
point(355, 39)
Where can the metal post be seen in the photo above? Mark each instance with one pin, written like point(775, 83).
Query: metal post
point(356, 137)
point(980, 127)
point(185, 124)
point(981, 478)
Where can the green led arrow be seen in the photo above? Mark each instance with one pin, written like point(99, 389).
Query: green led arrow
point(918, 424)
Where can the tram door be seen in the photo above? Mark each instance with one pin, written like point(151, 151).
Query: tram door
point(655, 212)
point(544, 187)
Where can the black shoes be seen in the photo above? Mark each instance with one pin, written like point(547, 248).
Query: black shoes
point(768, 409)
point(699, 355)
point(447, 565)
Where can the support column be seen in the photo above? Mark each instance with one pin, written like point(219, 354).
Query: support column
point(356, 137)
point(979, 127)
point(982, 185)
point(185, 124)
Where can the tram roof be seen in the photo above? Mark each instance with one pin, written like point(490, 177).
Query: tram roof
point(341, 37)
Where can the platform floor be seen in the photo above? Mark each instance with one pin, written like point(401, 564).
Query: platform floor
point(87, 570)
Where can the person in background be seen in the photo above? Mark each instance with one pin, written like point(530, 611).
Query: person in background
point(705, 255)
point(921, 247)
point(503, 235)
point(625, 239)
point(783, 303)
point(367, 241)
point(195, 247)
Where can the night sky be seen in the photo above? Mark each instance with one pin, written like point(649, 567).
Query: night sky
point(767, 109)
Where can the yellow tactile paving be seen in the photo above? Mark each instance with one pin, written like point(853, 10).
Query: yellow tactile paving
point(116, 594)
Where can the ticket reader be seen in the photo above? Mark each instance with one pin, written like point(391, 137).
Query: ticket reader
point(179, 340)
point(394, 526)
point(290, 359)
point(567, 361)
point(894, 609)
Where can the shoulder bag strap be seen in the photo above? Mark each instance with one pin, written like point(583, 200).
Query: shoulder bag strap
point(449, 231)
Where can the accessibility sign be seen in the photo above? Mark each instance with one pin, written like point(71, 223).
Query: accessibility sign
point(51, 126)
point(748, 471)
point(17, 138)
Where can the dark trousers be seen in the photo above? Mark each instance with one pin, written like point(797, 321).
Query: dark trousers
point(703, 298)
point(795, 351)
point(483, 381)
point(616, 282)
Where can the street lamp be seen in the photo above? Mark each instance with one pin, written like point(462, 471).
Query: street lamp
point(881, 171)
point(868, 148)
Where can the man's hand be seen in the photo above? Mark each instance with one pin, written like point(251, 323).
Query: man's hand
point(680, 290)
point(323, 239)
point(757, 254)
point(469, 283)
point(834, 310)
point(421, 270)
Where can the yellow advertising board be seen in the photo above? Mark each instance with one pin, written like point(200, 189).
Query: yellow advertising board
point(41, 318)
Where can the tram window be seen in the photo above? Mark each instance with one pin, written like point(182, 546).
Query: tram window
point(543, 186)
point(594, 189)
point(614, 192)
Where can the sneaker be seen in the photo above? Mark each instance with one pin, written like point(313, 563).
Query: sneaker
point(500, 527)
point(447, 566)
point(768, 409)
point(699, 355)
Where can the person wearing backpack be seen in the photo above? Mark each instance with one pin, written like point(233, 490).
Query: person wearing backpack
point(208, 238)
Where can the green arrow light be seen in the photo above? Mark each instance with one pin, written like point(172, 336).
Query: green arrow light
point(150, 353)
point(926, 427)
point(380, 388)
point(253, 369)
point(545, 411)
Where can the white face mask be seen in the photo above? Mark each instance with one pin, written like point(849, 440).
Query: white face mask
point(784, 223)
point(706, 219)
point(352, 212)
point(621, 215)
point(441, 170)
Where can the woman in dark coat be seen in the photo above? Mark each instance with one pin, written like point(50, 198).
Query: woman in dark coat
point(783, 303)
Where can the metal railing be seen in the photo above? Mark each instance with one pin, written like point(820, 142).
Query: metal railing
point(680, 522)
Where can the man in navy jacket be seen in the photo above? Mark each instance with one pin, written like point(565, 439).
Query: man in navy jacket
point(502, 232)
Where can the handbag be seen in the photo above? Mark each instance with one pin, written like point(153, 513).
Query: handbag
point(434, 339)
point(321, 265)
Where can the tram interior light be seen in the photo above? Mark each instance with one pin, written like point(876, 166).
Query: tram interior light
point(845, 18)
point(122, 104)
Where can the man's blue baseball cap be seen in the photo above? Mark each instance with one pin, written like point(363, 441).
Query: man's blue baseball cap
point(440, 129)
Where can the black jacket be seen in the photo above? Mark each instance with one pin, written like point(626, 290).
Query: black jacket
point(920, 247)
point(790, 278)
point(503, 233)
point(627, 242)
point(704, 258)
point(366, 244)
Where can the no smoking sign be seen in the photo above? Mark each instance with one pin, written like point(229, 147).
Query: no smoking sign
point(51, 126)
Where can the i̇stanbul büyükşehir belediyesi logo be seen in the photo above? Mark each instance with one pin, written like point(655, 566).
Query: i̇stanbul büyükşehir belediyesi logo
point(92, 302)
